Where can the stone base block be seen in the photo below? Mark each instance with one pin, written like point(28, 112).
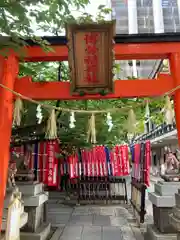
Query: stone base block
point(161, 219)
point(24, 219)
point(161, 201)
point(167, 188)
point(177, 199)
point(176, 212)
point(41, 234)
point(153, 234)
point(35, 218)
point(32, 189)
point(175, 222)
point(35, 201)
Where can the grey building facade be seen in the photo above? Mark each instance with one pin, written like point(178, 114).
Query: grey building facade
point(144, 16)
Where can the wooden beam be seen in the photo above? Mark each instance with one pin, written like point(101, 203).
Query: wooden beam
point(122, 89)
point(122, 51)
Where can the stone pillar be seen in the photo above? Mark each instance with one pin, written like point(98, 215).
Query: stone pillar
point(163, 201)
point(175, 216)
point(34, 204)
point(158, 16)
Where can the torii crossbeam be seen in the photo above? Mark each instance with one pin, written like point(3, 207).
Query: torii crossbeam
point(151, 46)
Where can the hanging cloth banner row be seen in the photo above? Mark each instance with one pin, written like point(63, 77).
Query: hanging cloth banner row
point(100, 162)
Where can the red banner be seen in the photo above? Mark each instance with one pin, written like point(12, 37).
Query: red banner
point(115, 163)
point(137, 151)
point(125, 160)
point(74, 166)
point(51, 164)
point(147, 163)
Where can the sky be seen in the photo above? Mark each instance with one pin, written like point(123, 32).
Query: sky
point(92, 9)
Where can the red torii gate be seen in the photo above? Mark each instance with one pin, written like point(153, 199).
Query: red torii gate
point(159, 46)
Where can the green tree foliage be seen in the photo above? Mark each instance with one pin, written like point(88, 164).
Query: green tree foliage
point(17, 18)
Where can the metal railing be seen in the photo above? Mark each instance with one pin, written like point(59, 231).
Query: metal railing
point(156, 132)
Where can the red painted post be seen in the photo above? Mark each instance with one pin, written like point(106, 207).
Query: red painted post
point(175, 72)
point(8, 74)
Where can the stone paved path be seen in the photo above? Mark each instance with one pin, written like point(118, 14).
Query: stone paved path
point(91, 222)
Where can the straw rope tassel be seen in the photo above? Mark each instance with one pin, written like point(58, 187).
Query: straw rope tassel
point(131, 122)
point(169, 113)
point(51, 131)
point(93, 129)
point(147, 111)
point(18, 108)
point(89, 130)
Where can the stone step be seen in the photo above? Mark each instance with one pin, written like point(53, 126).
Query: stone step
point(56, 235)
point(175, 222)
point(32, 189)
point(153, 234)
point(24, 219)
point(41, 234)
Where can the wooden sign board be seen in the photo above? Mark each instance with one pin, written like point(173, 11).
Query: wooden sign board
point(91, 57)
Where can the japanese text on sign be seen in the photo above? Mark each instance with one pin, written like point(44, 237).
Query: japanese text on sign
point(91, 57)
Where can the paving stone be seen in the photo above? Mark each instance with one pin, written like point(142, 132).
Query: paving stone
point(95, 210)
point(101, 220)
point(108, 211)
point(58, 218)
point(59, 210)
point(92, 222)
point(81, 220)
point(127, 233)
point(111, 233)
point(122, 212)
point(118, 221)
point(81, 211)
point(72, 232)
point(92, 233)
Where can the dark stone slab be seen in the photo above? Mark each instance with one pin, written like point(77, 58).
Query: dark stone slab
point(35, 218)
point(161, 219)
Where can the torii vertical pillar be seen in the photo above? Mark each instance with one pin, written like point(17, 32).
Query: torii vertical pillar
point(8, 74)
point(175, 72)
